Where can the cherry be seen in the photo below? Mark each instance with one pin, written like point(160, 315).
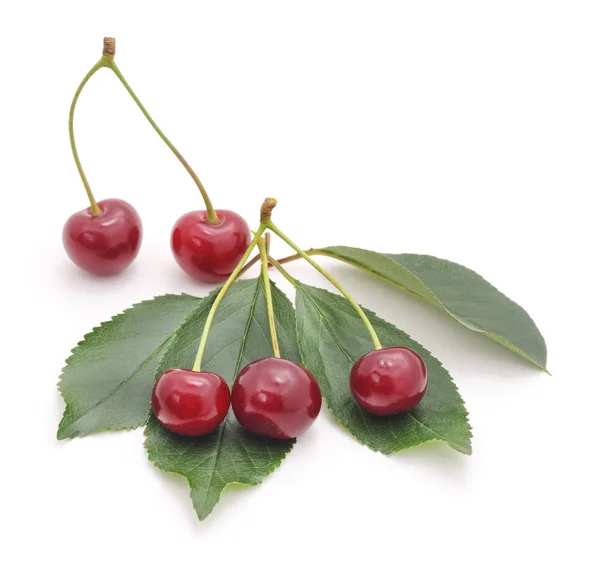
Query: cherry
point(389, 381)
point(106, 243)
point(275, 397)
point(190, 403)
point(207, 251)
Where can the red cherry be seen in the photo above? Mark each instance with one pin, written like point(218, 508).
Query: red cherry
point(107, 243)
point(389, 381)
point(190, 403)
point(209, 252)
point(275, 397)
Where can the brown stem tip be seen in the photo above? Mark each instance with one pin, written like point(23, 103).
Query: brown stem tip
point(109, 47)
point(267, 208)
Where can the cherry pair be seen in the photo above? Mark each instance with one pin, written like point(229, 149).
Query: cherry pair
point(106, 243)
point(105, 238)
point(271, 397)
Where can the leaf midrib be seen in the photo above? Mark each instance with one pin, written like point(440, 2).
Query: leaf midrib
point(120, 384)
point(223, 427)
point(436, 301)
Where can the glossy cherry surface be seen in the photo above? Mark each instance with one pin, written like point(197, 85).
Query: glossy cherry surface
point(389, 381)
point(190, 403)
point(275, 397)
point(107, 243)
point(209, 252)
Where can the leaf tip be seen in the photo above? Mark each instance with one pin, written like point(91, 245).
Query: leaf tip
point(62, 433)
point(467, 449)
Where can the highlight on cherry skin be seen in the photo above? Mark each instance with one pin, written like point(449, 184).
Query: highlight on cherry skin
point(106, 243)
point(275, 397)
point(389, 381)
point(190, 403)
point(209, 252)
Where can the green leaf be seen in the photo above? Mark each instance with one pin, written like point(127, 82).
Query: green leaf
point(332, 337)
point(460, 292)
point(107, 382)
point(239, 335)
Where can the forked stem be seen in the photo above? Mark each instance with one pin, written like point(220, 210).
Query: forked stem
point(376, 343)
point(264, 259)
point(107, 61)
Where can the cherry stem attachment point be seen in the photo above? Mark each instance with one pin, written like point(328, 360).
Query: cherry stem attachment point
point(263, 244)
point(221, 295)
point(271, 226)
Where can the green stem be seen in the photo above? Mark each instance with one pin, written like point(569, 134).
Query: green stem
point(283, 272)
point(211, 215)
point(104, 61)
point(352, 301)
point(221, 295)
point(264, 260)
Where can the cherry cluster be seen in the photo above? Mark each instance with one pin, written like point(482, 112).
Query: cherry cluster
point(278, 398)
point(271, 397)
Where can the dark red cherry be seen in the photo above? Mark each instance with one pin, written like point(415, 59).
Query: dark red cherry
point(389, 381)
point(275, 397)
point(107, 243)
point(190, 403)
point(209, 252)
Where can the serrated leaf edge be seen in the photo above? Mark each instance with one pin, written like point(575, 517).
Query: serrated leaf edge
point(437, 437)
point(61, 435)
point(276, 465)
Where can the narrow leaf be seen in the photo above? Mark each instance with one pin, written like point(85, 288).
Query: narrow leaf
point(107, 382)
point(239, 335)
point(332, 337)
point(460, 292)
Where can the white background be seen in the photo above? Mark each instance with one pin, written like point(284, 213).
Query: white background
point(466, 130)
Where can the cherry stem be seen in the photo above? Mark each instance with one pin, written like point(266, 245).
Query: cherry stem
point(376, 343)
point(95, 209)
point(221, 295)
point(284, 273)
point(211, 215)
point(263, 244)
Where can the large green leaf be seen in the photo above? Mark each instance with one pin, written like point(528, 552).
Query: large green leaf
point(332, 336)
point(460, 292)
point(239, 335)
point(107, 382)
